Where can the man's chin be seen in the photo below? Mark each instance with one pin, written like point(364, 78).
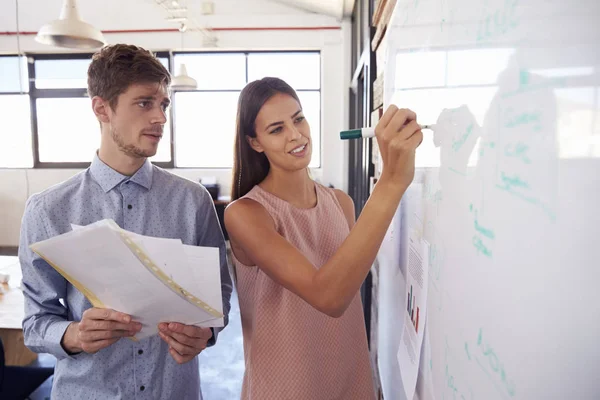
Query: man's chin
point(148, 154)
point(142, 153)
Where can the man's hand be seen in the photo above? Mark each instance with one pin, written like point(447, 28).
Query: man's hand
point(185, 341)
point(98, 328)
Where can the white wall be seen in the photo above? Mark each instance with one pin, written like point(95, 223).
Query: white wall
point(16, 185)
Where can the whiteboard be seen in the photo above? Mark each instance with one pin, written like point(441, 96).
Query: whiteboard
point(507, 194)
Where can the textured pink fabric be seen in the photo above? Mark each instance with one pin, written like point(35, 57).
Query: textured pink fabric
point(292, 351)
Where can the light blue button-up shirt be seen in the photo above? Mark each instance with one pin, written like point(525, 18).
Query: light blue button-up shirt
point(152, 202)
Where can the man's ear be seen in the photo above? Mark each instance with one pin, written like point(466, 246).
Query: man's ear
point(254, 144)
point(101, 109)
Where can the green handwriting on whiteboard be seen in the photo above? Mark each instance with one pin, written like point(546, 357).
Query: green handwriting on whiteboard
point(459, 143)
point(484, 231)
point(493, 367)
point(526, 85)
point(480, 246)
point(512, 184)
point(518, 150)
point(513, 181)
point(458, 392)
point(524, 119)
point(457, 172)
point(484, 145)
point(495, 23)
point(480, 230)
point(524, 77)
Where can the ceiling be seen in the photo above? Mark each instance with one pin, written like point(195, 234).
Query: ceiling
point(152, 14)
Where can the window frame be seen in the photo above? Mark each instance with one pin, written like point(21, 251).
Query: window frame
point(19, 92)
point(247, 53)
point(57, 93)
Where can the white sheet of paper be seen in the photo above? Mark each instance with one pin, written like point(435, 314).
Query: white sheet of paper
point(193, 269)
point(121, 282)
point(415, 312)
point(201, 261)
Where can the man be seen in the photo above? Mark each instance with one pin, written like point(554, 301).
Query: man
point(129, 91)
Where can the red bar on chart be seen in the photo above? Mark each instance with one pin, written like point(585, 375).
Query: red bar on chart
point(417, 322)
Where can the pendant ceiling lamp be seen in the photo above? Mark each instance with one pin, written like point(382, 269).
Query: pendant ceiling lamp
point(183, 81)
point(70, 31)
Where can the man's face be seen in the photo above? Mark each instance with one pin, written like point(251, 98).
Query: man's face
point(137, 122)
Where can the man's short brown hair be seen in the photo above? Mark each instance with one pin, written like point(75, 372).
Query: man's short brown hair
point(114, 68)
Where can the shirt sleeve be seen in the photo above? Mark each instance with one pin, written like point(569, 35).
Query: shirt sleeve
point(45, 320)
point(211, 235)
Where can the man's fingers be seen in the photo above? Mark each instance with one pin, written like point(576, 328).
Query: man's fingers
point(108, 325)
point(189, 330)
point(93, 347)
point(93, 336)
point(180, 359)
point(180, 347)
point(206, 333)
point(106, 314)
point(196, 343)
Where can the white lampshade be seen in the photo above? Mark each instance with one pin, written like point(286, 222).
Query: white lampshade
point(183, 81)
point(70, 31)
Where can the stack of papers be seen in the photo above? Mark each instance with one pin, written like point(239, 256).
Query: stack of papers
point(152, 279)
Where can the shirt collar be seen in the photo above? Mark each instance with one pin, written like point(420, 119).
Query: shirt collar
point(108, 178)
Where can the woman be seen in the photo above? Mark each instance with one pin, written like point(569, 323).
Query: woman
point(299, 257)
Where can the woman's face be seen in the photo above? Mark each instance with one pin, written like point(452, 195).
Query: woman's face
point(282, 133)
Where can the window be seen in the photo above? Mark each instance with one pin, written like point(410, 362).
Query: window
point(12, 74)
point(302, 71)
point(63, 113)
point(61, 74)
point(204, 119)
point(66, 120)
point(51, 123)
point(15, 138)
point(214, 71)
point(205, 125)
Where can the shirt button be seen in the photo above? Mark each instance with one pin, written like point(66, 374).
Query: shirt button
point(140, 351)
point(142, 388)
point(129, 206)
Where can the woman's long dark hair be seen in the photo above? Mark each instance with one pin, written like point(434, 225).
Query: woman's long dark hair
point(249, 166)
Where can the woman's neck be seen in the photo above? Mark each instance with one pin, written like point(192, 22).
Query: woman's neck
point(297, 188)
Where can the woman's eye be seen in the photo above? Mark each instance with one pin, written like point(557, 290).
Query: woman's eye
point(276, 130)
point(299, 119)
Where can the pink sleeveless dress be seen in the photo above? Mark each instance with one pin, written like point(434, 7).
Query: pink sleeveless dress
point(291, 350)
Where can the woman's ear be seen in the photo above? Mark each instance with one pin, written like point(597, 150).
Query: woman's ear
point(254, 144)
point(101, 109)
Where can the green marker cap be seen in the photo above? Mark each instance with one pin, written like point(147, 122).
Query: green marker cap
point(351, 134)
